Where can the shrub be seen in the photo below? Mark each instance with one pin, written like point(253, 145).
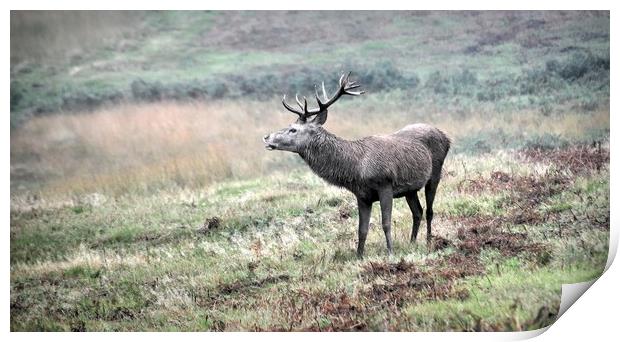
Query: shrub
point(437, 83)
point(577, 66)
point(147, 91)
point(459, 83)
point(17, 94)
point(215, 89)
point(580, 64)
point(386, 76)
point(87, 99)
point(581, 79)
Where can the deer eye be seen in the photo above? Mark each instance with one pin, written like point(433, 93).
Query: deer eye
point(292, 130)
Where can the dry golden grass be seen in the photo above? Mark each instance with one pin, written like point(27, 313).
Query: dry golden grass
point(140, 147)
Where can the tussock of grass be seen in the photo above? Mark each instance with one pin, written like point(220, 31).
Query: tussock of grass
point(146, 260)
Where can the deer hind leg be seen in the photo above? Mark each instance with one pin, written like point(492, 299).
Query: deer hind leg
point(429, 193)
point(385, 199)
point(416, 211)
point(364, 221)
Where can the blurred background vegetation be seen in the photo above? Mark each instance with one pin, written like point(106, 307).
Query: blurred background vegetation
point(187, 95)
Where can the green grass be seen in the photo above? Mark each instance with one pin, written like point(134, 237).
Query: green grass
point(140, 263)
point(475, 205)
point(502, 300)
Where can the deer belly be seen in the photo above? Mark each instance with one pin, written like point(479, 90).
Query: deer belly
point(409, 178)
point(402, 189)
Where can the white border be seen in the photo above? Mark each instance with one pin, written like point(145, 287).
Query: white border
point(595, 315)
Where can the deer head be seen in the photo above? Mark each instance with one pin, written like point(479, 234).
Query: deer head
point(297, 135)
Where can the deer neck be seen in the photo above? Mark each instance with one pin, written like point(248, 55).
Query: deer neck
point(333, 159)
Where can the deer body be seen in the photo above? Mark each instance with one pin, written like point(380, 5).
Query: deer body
point(375, 168)
point(364, 165)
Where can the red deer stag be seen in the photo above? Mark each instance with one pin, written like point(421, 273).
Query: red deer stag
point(374, 168)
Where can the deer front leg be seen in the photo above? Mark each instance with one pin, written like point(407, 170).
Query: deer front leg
point(364, 220)
point(385, 199)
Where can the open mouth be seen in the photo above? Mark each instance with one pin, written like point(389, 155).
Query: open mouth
point(268, 145)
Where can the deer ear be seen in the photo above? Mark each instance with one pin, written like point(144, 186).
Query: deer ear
point(320, 118)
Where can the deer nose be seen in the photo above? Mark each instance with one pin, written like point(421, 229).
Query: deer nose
point(266, 137)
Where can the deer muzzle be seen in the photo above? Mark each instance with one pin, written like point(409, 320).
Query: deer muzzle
point(269, 146)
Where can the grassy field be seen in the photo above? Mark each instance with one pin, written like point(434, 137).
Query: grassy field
point(142, 197)
point(277, 253)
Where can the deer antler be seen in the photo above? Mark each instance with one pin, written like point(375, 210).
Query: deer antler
point(345, 88)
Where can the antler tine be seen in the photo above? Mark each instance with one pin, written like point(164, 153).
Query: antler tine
point(316, 95)
point(299, 102)
point(324, 92)
point(318, 98)
point(346, 79)
point(355, 93)
point(348, 91)
point(345, 88)
point(291, 109)
point(304, 113)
